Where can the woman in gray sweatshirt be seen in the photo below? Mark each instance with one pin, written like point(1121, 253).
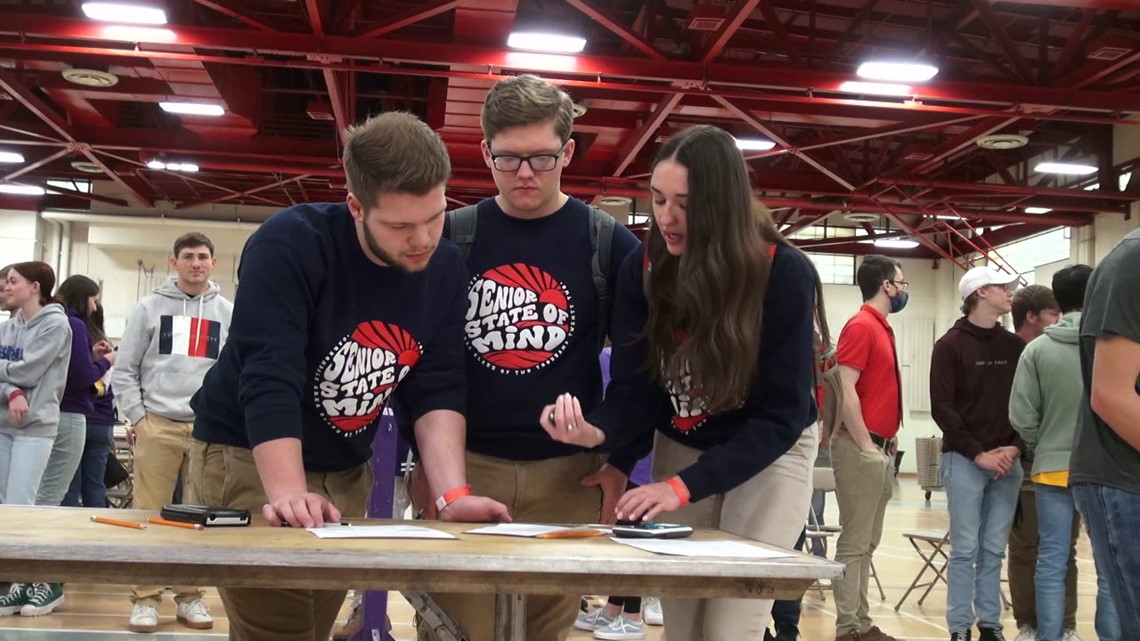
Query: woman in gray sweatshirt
point(35, 345)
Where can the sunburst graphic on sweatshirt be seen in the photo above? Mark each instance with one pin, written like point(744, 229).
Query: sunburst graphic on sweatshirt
point(519, 318)
point(354, 382)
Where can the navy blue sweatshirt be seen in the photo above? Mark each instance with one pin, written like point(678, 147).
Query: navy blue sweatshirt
point(531, 326)
point(736, 445)
point(322, 337)
point(82, 371)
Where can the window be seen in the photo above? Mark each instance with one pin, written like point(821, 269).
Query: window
point(834, 269)
point(1028, 254)
point(83, 186)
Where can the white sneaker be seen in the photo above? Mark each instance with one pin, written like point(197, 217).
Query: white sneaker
point(1026, 633)
point(621, 629)
point(1071, 635)
point(651, 613)
point(590, 621)
point(194, 614)
point(144, 617)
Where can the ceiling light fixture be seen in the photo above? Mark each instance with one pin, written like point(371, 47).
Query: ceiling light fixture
point(1037, 210)
point(754, 144)
point(545, 42)
point(896, 71)
point(11, 157)
point(126, 13)
point(192, 108)
point(1075, 169)
point(21, 190)
point(876, 88)
point(896, 243)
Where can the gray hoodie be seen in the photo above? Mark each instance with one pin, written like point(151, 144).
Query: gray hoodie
point(170, 342)
point(33, 358)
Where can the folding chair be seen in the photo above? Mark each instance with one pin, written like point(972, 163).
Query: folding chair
point(933, 559)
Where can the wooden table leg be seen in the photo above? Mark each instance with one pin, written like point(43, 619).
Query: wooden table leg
point(510, 617)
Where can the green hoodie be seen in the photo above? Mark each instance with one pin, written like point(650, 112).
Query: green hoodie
point(1047, 394)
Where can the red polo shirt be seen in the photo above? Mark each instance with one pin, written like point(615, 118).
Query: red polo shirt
point(867, 343)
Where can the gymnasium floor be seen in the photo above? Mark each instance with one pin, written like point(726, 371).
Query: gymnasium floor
point(100, 612)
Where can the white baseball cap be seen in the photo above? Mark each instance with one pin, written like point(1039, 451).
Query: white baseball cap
point(980, 277)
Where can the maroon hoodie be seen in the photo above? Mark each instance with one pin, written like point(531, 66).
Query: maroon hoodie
point(971, 376)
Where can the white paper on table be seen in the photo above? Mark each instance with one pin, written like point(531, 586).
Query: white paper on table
point(378, 532)
point(680, 547)
point(517, 529)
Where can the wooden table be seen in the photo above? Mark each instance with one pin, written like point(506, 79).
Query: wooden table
point(63, 544)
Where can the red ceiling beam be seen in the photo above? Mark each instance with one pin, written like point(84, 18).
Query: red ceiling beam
point(1025, 110)
point(803, 222)
point(226, 11)
point(475, 58)
point(1093, 78)
point(34, 104)
point(764, 129)
point(417, 14)
point(181, 176)
point(1014, 190)
point(30, 167)
point(870, 134)
point(924, 239)
point(84, 195)
point(314, 9)
point(989, 17)
point(248, 192)
point(617, 28)
point(639, 138)
point(728, 29)
point(962, 141)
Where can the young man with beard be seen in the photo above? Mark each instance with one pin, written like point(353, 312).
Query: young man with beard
point(532, 332)
point(340, 307)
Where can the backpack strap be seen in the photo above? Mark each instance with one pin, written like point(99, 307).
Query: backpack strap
point(461, 228)
point(601, 245)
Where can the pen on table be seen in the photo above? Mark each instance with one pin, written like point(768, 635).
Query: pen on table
point(181, 524)
point(109, 521)
point(570, 534)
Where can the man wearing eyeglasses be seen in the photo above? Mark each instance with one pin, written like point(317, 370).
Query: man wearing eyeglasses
point(863, 447)
point(971, 378)
point(531, 333)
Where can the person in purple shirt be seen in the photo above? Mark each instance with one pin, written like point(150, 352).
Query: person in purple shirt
point(87, 484)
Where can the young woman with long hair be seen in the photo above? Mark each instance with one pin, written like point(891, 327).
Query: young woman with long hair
point(87, 485)
point(35, 345)
point(715, 352)
point(89, 361)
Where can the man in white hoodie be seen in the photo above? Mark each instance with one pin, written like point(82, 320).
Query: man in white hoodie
point(172, 338)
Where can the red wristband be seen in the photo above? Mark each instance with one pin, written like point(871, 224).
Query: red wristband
point(15, 394)
point(450, 496)
point(678, 486)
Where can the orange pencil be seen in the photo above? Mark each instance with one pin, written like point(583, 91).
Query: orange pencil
point(109, 521)
point(188, 526)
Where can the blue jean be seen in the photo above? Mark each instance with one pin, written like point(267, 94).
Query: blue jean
point(66, 452)
point(1112, 517)
point(981, 514)
point(88, 480)
point(22, 463)
point(1055, 524)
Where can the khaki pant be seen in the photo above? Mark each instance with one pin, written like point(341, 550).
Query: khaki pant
point(534, 492)
point(864, 482)
point(768, 507)
point(162, 450)
point(226, 476)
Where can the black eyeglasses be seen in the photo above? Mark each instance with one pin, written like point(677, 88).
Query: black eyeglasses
point(537, 162)
point(901, 284)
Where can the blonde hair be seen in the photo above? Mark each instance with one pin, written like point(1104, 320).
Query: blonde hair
point(525, 100)
point(394, 152)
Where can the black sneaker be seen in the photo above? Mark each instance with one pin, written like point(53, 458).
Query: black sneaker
point(990, 634)
point(960, 636)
